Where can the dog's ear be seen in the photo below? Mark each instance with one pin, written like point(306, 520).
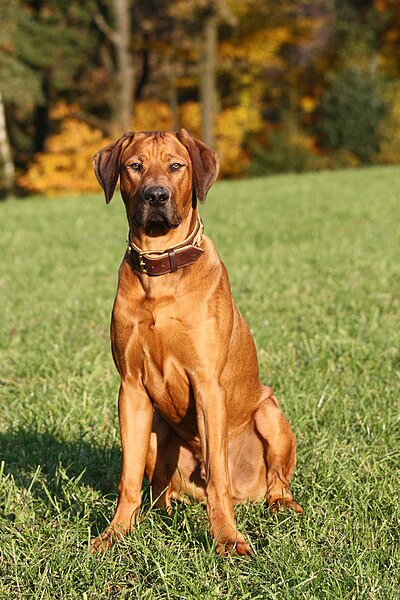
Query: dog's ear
point(107, 162)
point(205, 164)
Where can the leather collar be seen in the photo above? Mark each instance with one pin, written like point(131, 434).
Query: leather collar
point(160, 262)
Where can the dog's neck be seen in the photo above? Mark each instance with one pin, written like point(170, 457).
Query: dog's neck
point(175, 257)
point(161, 238)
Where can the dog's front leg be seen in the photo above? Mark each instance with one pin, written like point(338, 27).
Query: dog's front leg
point(135, 418)
point(213, 431)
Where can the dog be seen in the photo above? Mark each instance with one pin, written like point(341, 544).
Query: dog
point(194, 416)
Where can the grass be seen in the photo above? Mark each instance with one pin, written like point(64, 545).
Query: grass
point(314, 266)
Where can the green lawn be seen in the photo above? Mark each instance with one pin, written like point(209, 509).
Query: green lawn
point(315, 269)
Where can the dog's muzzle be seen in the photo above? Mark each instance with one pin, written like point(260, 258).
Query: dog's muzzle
point(156, 208)
point(156, 195)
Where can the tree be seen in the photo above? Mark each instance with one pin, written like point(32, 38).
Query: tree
point(43, 48)
point(6, 158)
point(19, 83)
point(351, 113)
point(245, 75)
point(207, 64)
point(120, 35)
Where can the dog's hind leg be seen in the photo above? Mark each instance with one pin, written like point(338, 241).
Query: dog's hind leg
point(279, 451)
point(157, 471)
point(171, 468)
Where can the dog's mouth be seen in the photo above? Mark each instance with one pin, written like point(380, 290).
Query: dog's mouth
point(156, 221)
point(160, 219)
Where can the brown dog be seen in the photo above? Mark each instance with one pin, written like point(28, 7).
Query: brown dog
point(193, 413)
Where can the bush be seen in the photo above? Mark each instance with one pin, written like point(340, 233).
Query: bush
point(67, 164)
point(282, 152)
point(351, 113)
point(232, 126)
point(152, 115)
point(390, 127)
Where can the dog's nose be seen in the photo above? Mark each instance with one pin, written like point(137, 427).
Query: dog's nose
point(156, 194)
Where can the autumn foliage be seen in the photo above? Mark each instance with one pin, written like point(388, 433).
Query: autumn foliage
point(295, 85)
point(67, 163)
point(66, 166)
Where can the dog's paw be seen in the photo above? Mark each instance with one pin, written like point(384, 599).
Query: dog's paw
point(234, 544)
point(280, 505)
point(104, 541)
point(234, 549)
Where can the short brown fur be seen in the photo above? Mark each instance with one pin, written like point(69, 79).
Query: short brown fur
point(194, 416)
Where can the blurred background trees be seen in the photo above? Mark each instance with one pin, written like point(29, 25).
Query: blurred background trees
point(272, 86)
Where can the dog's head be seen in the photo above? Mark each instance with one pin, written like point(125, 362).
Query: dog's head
point(162, 175)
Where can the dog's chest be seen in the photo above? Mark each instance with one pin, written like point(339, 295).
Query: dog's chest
point(161, 346)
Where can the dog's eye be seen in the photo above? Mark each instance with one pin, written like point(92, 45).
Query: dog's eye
point(135, 167)
point(176, 166)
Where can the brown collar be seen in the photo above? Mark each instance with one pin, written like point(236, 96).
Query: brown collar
point(160, 262)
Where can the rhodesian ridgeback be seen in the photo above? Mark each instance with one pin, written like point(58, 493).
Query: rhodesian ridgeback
point(194, 416)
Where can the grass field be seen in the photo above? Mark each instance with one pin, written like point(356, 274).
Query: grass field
point(315, 269)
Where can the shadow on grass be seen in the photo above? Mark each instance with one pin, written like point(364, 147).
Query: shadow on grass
point(61, 475)
point(69, 473)
point(69, 468)
point(65, 467)
point(24, 450)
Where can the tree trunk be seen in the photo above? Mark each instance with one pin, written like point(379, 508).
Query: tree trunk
point(208, 92)
point(41, 119)
point(41, 128)
point(6, 158)
point(173, 103)
point(144, 71)
point(125, 69)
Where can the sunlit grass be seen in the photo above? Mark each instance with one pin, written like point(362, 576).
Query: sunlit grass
point(314, 266)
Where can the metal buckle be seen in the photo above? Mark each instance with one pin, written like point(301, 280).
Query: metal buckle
point(142, 264)
point(197, 243)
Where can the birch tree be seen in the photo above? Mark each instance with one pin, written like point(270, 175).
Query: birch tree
point(6, 157)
